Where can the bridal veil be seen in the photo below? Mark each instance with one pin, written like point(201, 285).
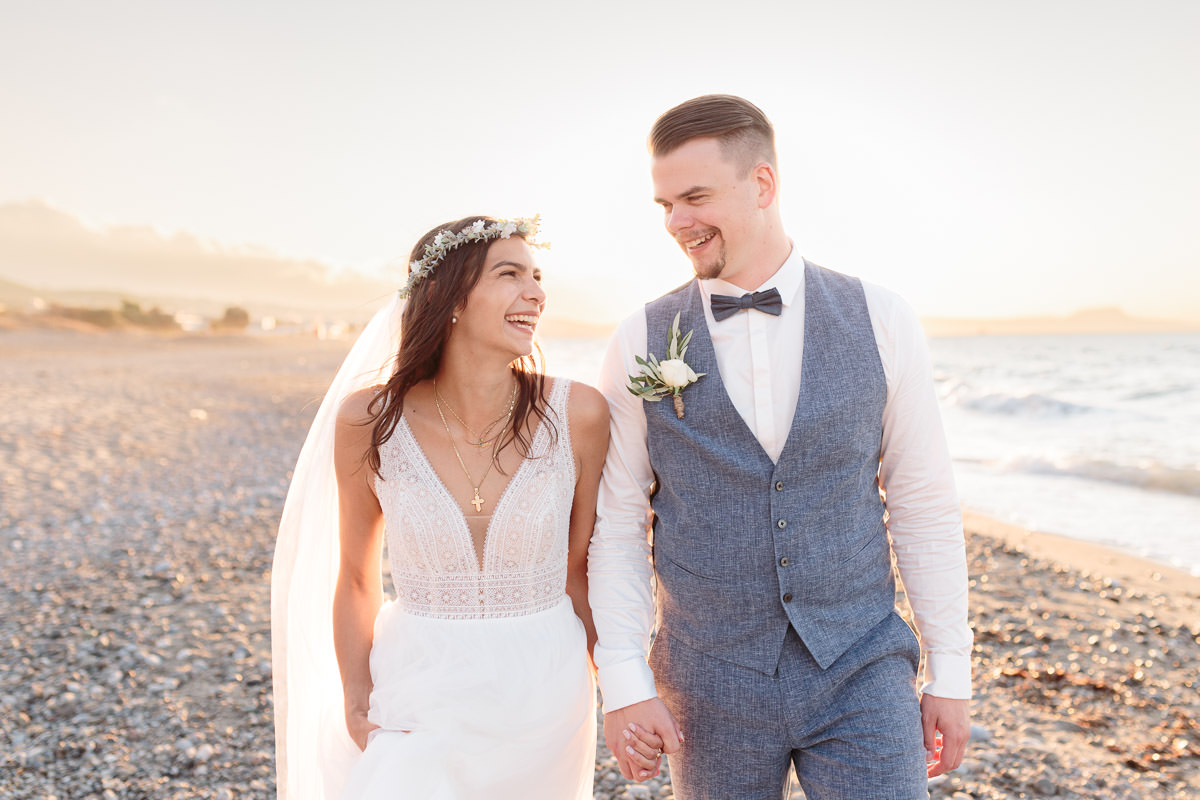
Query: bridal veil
point(313, 751)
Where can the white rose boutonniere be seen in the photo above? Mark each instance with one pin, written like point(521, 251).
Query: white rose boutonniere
point(671, 376)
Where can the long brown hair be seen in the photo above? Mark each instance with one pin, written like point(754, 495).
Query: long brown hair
point(424, 328)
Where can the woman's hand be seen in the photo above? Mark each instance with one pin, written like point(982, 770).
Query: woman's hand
point(359, 727)
point(644, 751)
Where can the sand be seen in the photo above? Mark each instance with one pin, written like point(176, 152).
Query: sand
point(141, 480)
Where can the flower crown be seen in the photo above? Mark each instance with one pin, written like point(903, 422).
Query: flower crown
point(478, 231)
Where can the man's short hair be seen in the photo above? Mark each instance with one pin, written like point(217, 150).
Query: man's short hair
point(745, 134)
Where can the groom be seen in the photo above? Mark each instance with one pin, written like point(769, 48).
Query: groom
point(777, 639)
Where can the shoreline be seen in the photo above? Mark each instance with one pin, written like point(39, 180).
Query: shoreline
point(1091, 558)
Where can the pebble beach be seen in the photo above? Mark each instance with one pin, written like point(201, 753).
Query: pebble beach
point(141, 483)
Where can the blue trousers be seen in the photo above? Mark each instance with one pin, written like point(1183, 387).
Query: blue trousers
point(853, 731)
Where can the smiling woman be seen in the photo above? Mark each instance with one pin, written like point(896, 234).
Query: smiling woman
point(482, 474)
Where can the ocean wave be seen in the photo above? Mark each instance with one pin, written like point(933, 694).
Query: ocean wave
point(1166, 391)
point(1030, 404)
point(1148, 475)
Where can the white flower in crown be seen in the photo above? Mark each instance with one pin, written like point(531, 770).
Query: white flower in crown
point(480, 230)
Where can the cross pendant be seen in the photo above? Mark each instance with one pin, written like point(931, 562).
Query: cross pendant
point(477, 501)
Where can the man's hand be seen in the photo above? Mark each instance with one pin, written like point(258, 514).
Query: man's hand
point(637, 734)
point(949, 720)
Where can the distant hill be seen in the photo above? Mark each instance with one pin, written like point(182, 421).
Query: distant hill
point(1091, 320)
point(55, 254)
point(25, 299)
point(18, 298)
point(14, 295)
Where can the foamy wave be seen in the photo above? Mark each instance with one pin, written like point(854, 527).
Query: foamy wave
point(1151, 475)
point(1166, 391)
point(1030, 404)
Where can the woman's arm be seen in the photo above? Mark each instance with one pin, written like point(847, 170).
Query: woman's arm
point(588, 413)
point(359, 591)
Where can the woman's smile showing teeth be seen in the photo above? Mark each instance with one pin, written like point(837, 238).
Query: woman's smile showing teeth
point(525, 321)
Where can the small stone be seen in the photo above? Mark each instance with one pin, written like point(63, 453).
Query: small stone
point(1045, 787)
point(1068, 726)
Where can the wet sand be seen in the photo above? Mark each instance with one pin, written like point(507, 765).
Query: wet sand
point(141, 480)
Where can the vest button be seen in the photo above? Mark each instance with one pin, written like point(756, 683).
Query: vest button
point(783, 562)
point(781, 524)
point(779, 486)
point(787, 598)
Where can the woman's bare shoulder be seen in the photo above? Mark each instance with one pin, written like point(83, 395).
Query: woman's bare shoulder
point(586, 406)
point(356, 407)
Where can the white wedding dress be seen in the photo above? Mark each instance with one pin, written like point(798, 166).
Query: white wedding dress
point(481, 682)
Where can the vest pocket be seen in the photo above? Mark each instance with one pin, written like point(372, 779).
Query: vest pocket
point(872, 540)
point(661, 561)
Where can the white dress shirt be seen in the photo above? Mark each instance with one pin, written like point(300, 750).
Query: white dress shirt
point(759, 357)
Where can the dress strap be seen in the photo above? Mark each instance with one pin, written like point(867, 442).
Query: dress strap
point(558, 401)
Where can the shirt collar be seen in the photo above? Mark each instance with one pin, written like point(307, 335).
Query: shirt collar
point(788, 280)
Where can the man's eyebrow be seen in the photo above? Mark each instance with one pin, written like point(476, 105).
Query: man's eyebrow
point(685, 193)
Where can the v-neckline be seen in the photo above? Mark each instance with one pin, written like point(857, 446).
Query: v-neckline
point(479, 555)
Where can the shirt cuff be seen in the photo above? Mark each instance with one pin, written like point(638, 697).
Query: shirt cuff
point(625, 683)
point(947, 675)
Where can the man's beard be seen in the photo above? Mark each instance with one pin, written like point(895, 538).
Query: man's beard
point(708, 271)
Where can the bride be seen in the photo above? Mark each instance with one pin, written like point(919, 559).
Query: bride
point(481, 476)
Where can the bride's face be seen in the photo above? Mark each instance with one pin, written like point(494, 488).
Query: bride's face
point(502, 311)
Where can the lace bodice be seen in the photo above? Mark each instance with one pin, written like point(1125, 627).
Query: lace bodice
point(435, 569)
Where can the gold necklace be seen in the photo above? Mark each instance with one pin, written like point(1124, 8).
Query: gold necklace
point(479, 440)
point(476, 501)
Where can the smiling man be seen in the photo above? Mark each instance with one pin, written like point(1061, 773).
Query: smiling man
point(778, 642)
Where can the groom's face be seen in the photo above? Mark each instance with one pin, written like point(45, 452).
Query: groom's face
point(710, 207)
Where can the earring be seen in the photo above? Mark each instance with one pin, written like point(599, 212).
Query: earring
point(453, 320)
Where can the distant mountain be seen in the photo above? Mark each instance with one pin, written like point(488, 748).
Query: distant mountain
point(1091, 320)
point(53, 252)
point(25, 299)
point(14, 295)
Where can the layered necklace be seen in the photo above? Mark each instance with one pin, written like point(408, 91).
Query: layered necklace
point(480, 441)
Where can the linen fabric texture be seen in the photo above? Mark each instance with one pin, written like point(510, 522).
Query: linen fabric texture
point(760, 361)
point(743, 546)
point(747, 549)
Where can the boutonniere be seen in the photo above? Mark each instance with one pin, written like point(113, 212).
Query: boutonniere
point(671, 376)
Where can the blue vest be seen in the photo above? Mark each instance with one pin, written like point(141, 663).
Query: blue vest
point(744, 547)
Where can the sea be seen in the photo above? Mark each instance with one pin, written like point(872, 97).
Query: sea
point(1094, 437)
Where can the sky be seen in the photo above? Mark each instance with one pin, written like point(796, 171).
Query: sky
point(980, 158)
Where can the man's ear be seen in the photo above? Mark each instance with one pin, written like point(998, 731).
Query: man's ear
point(768, 183)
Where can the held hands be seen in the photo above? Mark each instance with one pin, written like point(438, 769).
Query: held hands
point(639, 734)
point(950, 722)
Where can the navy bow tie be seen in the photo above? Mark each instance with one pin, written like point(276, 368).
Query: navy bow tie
point(724, 305)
